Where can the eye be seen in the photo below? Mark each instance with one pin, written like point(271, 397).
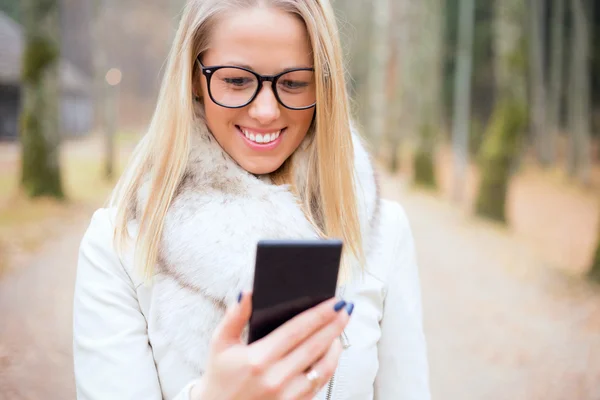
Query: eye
point(293, 85)
point(240, 81)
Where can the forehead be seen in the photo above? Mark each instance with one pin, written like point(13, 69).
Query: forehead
point(267, 39)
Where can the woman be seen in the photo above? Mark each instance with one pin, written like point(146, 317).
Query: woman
point(251, 139)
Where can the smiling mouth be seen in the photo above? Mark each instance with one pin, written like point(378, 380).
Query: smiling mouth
point(261, 138)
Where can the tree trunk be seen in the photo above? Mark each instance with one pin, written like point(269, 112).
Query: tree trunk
point(428, 72)
point(111, 117)
point(462, 96)
point(537, 80)
point(579, 158)
point(378, 72)
point(40, 136)
point(556, 78)
point(396, 120)
point(103, 107)
point(505, 131)
point(393, 119)
point(424, 160)
point(355, 28)
point(594, 272)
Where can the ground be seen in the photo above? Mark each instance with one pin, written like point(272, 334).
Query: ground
point(502, 321)
point(35, 335)
point(500, 324)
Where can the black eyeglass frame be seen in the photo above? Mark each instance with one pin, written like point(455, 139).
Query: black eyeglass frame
point(209, 71)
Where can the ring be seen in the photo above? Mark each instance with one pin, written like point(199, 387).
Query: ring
point(313, 377)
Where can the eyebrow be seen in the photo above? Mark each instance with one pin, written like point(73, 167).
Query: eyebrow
point(236, 64)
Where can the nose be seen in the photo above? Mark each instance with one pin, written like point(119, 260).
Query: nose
point(265, 108)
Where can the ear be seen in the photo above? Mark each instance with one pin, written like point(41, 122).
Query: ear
point(196, 88)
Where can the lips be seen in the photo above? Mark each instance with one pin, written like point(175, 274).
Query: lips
point(270, 139)
point(262, 136)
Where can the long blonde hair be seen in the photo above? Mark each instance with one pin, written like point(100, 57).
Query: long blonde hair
point(328, 196)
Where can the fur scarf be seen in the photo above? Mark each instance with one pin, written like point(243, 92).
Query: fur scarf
point(208, 245)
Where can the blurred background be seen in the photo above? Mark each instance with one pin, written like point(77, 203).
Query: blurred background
point(483, 116)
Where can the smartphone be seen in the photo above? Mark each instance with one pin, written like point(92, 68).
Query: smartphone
point(290, 277)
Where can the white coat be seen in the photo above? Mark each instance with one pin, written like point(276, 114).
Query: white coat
point(139, 341)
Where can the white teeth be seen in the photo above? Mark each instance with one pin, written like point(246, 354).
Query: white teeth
point(261, 138)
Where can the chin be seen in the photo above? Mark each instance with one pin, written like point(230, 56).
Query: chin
point(261, 168)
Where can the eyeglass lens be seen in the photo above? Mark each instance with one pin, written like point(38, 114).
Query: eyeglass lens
point(233, 87)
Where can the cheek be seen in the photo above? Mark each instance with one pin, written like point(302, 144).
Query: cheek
point(216, 116)
point(303, 119)
point(212, 110)
point(219, 119)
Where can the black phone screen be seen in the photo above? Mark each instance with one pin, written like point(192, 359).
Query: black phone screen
point(290, 277)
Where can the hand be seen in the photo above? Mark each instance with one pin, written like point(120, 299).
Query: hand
point(276, 366)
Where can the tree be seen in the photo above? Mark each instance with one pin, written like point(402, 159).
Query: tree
point(427, 71)
point(594, 272)
point(505, 131)
point(396, 80)
point(12, 8)
point(106, 91)
point(393, 118)
point(579, 157)
point(40, 136)
point(355, 30)
point(462, 95)
point(102, 107)
point(556, 78)
point(377, 83)
point(537, 80)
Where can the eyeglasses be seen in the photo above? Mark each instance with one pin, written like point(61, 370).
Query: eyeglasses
point(236, 87)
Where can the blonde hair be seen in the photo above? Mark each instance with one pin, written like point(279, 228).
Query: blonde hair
point(327, 197)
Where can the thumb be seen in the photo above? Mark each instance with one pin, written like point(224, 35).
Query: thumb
point(237, 316)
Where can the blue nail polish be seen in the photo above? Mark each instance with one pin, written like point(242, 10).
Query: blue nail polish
point(350, 308)
point(240, 297)
point(339, 305)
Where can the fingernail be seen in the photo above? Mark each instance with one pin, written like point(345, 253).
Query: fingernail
point(240, 297)
point(339, 305)
point(350, 308)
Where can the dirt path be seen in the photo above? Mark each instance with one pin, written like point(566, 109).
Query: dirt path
point(36, 312)
point(500, 325)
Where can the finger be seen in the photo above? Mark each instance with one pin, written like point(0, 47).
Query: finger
point(302, 388)
point(230, 329)
point(311, 350)
point(286, 337)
